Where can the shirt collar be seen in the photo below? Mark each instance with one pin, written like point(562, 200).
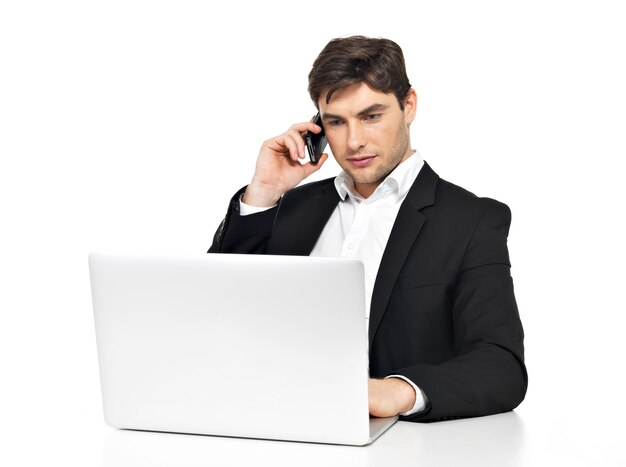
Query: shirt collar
point(397, 183)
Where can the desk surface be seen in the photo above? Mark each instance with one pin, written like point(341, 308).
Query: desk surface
point(500, 440)
point(522, 438)
point(451, 443)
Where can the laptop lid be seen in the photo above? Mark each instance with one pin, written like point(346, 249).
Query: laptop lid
point(235, 345)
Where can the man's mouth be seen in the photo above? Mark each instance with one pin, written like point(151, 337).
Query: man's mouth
point(362, 161)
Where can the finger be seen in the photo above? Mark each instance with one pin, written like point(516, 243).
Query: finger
point(299, 140)
point(310, 168)
point(284, 144)
point(277, 144)
point(292, 145)
point(306, 126)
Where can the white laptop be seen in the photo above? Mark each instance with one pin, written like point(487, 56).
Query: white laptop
point(256, 346)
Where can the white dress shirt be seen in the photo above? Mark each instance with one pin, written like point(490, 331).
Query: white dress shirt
point(360, 228)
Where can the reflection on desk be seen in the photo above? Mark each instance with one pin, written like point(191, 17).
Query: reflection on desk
point(494, 440)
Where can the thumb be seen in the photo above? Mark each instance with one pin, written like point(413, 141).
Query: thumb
point(310, 168)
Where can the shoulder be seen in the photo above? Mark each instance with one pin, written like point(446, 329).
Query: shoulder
point(463, 202)
point(480, 225)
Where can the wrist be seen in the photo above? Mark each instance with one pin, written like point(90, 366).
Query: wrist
point(260, 196)
point(405, 394)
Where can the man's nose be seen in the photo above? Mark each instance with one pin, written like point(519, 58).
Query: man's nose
point(356, 137)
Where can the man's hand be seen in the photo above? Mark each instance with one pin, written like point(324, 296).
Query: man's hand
point(389, 397)
point(278, 168)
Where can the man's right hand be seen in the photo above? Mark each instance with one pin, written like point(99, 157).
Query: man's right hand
point(278, 168)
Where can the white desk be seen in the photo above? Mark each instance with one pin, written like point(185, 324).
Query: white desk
point(71, 432)
point(500, 440)
point(449, 443)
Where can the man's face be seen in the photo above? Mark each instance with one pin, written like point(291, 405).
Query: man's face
point(367, 132)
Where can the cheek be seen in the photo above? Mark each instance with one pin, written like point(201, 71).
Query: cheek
point(335, 141)
point(394, 136)
point(379, 136)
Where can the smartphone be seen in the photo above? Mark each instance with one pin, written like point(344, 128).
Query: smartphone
point(316, 142)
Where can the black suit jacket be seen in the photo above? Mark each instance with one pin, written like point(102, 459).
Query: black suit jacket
point(443, 311)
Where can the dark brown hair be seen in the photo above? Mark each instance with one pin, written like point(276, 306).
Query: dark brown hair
point(349, 60)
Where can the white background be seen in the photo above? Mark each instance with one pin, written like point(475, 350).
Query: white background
point(127, 125)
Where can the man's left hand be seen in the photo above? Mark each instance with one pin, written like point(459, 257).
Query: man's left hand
point(389, 397)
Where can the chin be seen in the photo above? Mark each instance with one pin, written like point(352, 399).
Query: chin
point(367, 180)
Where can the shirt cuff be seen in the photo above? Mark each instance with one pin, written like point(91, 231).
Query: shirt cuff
point(420, 398)
point(246, 209)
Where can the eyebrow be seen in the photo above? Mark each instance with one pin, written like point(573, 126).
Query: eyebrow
point(365, 111)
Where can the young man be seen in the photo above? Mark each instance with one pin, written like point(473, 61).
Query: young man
point(445, 336)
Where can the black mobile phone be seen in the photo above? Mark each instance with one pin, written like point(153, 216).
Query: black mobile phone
point(316, 142)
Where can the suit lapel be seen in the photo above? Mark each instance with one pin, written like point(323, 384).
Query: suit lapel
point(406, 228)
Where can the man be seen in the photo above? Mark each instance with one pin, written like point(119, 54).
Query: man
point(445, 336)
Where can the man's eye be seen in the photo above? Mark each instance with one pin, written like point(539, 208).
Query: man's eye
point(334, 123)
point(371, 117)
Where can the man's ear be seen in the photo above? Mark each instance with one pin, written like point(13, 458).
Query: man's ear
point(410, 106)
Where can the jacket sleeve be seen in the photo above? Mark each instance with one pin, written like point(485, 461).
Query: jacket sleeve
point(243, 234)
point(488, 374)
